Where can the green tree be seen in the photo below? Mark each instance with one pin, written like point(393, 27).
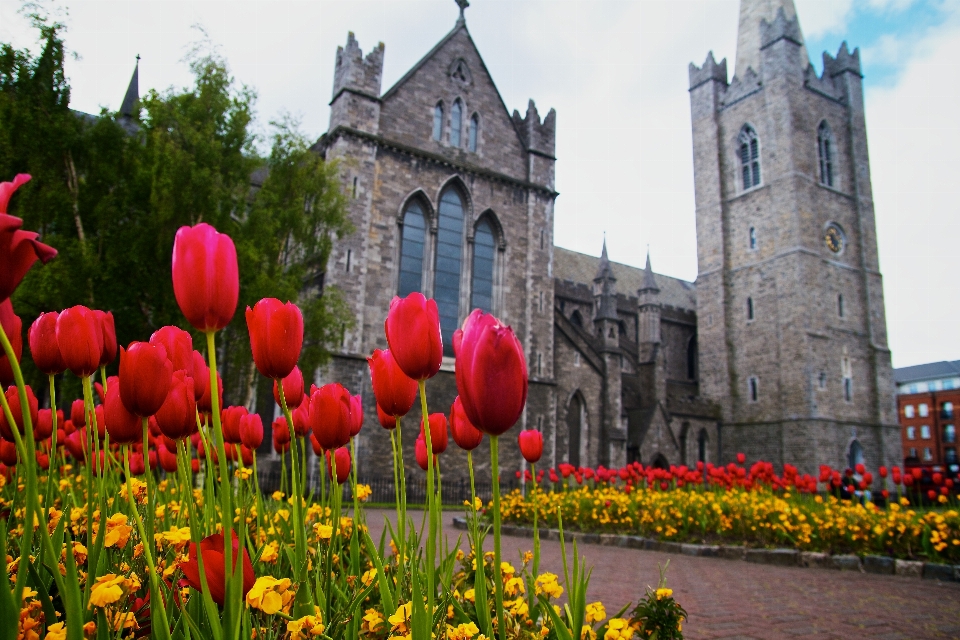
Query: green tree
point(110, 198)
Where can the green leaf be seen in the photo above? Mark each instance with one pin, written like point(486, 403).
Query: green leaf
point(386, 594)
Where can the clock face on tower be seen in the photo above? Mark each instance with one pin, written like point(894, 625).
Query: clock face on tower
point(833, 238)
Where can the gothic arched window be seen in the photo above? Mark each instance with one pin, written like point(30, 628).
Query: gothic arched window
point(412, 243)
point(825, 149)
point(446, 290)
point(749, 156)
point(438, 122)
point(574, 428)
point(473, 133)
point(456, 123)
point(484, 251)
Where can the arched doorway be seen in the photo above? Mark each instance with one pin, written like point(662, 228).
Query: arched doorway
point(660, 462)
point(575, 413)
point(855, 454)
point(702, 446)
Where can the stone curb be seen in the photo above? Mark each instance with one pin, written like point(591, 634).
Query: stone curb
point(880, 565)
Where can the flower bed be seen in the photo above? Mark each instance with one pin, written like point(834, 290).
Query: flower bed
point(741, 507)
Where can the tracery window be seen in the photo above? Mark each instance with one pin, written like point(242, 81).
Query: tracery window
point(446, 289)
point(484, 251)
point(825, 147)
point(749, 156)
point(456, 123)
point(438, 122)
point(412, 245)
point(473, 133)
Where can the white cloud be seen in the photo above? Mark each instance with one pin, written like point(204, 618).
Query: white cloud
point(820, 17)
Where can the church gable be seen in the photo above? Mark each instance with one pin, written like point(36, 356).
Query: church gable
point(454, 78)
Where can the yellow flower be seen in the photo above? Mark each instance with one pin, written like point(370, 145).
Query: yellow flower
point(664, 593)
point(372, 620)
point(363, 492)
point(464, 631)
point(178, 537)
point(368, 577)
point(270, 553)
point(277, 495)
point(324, 531)
point(546, 583)
point(118, 531)
point(470, 595)
point(56, 631)
point(587, 633)
point(400, 621)
point(595, 613)
point(109, 589)
point(270, 595)
point(306, 626)
point(243, 473)
point(618, 629)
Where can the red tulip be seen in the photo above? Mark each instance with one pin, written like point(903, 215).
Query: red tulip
point(356, 415)
point(109, 333)
point(741, 458)
point(214, 566)
point(204, 402)
point(168, 458)
point(860, 469)
point(137, 466)
point(18, 249)
point(230, 423)
point(937, 478)
point(330, 415)
point(917, 473)
point(145, 377)
point(931, 494)
point(466, 435)
point(491, 373)
point(883, 471)
point(43, 427)
point(43, 344)
point(123, 426)
point(13, 400)
point(413, 333)
point(78, 414)
point(317, 449)
point(276, 336)
point(80, 339)
point(13, 327)
point(386, 421)
point(246, 455)
point(200, 375)
point(531, 445)
point(100, 421)
point(176, 417)
point(194, 464)
point(301, 419)
point(206, 281)
point(8, 453)
point(292, 389)
point(281, 431)
point(342, 458)
point(420, 452)
point(395, 391)
point(178, 345)
point(438, 432)
point(251, 430)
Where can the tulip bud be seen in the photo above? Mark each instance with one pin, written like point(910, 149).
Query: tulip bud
point(8, 453)
point(394, 390)
point(531, 445)
point(137, 466)
point(467, 436)
point(108, 331)
point(43, 427)
point(386, 421)
point(43, 344)
point(356, 415)
point(438, 432)
point(276, 336)
point(491, 373)
point(301, 419)
point(292, 389)
point(413, 333)
point(317, 449)
point(168, 459)
point(13, 400)
point(206, 282)
point(13, 327)
point(330, 408)
point(420, 452)
point(230, 423)
point(342, 458)
point(145, 377)
point(80, 338)
point(205, 402)
point(124, 427)
point(176, 418)
point(251, 430)
point(281, 431)
point(741, 458)
point(178, 346)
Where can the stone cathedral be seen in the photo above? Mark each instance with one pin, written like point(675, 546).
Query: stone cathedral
point(777, 350)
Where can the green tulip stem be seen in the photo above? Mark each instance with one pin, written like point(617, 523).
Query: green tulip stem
point(304, 602)
point(402, 523)
point(232, 604)
point(164, 631)
point(396, 482)
point(52, 457)
point(497, 571)
point(431, 506)
point(353, 469)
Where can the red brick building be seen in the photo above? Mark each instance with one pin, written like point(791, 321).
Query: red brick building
point(928, 406)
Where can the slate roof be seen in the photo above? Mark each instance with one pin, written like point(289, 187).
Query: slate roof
point(930, 371)
point(579, 267)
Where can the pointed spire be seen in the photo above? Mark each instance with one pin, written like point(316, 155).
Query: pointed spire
point(605, 287)
point(133, 93)
point(752, 13)
point(649, 281)
point(604, 270)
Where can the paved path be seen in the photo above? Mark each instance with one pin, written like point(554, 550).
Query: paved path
point(736, 600)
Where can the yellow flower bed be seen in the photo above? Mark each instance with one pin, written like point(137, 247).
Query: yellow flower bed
point(758, 517)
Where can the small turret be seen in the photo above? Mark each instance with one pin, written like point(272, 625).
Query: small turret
point(844, 62)
point(356, 87)
point(605, 303)
point(537, 136)
point(649, 308)
point(129, 107)
point(710, 71)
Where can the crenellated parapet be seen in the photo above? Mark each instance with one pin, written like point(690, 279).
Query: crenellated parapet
point(846, 61)
point(781, 28)
point(537, 136)
point(355, 73)
point(710, 71)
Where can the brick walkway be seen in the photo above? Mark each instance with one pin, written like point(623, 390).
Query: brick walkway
point(735, 600)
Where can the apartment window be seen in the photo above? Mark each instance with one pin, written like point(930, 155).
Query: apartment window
point(949, 434)
point(913, 452)
point(948, 384)
point(753, 388)
point(908, 411)
point(950, 456)
point(913, 388)
point(925, 432)
point(749, 308)
point(946, 410)
point(923, 410)
point(927, 454)
point(911, 433)
point(840, 305)
point(753, 238)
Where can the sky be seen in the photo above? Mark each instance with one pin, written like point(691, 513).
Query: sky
point(616, 72)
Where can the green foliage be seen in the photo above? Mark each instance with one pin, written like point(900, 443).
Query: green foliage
point(658, 616)
point(110, 193)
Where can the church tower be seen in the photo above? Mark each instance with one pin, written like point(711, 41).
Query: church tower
point(791, 325)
